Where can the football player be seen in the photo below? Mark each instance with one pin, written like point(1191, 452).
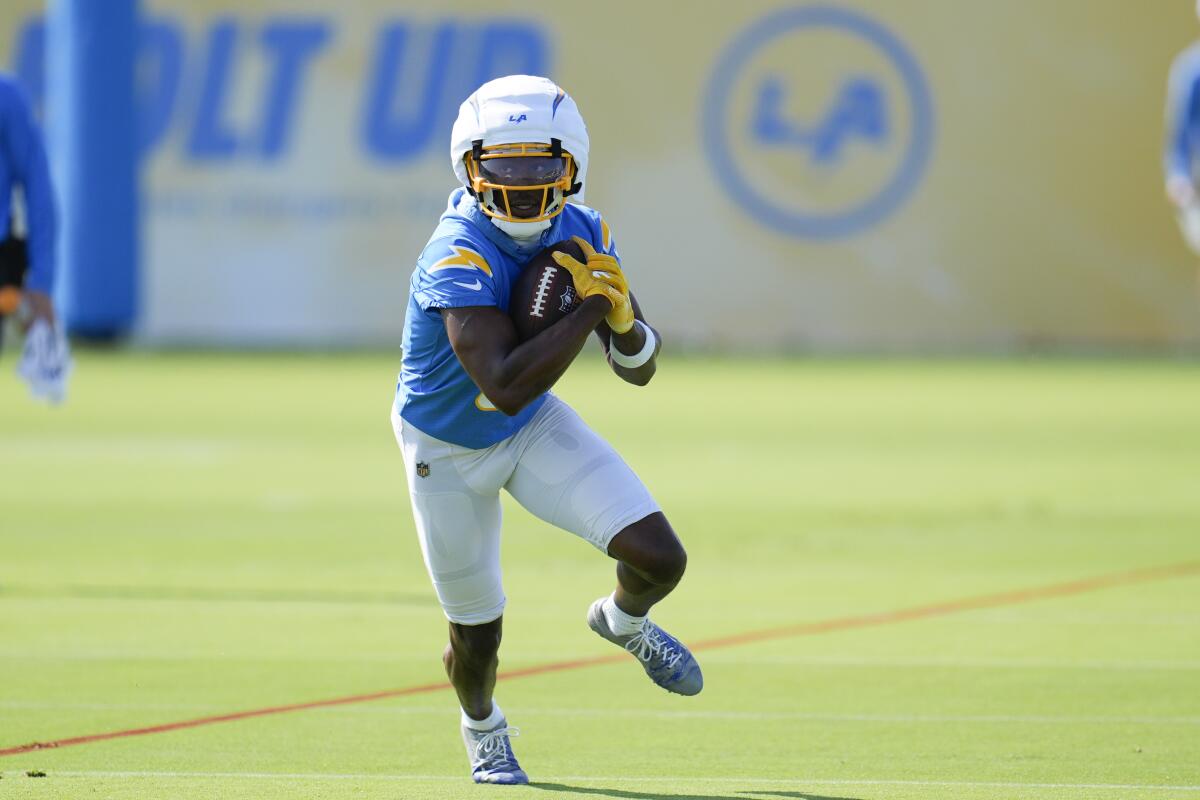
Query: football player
point(474, 413)
point(27, 264)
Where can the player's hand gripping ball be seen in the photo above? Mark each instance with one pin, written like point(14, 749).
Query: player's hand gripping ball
point(600, 275)
point(544, 293)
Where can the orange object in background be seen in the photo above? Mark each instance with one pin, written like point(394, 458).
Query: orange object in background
point(10, 299)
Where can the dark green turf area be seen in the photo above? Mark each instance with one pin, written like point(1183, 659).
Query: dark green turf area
point(197, 534)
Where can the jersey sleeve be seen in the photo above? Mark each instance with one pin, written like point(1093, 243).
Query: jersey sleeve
point(607, 241)
point(452, 273)
point(601, 236)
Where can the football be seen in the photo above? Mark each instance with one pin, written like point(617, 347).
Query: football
point(544, 293)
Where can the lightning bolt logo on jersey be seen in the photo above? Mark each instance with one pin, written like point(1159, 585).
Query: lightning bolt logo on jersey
point(469, 262)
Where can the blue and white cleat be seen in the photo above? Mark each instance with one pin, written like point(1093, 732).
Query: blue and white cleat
point(491, 755)
point(666, 660)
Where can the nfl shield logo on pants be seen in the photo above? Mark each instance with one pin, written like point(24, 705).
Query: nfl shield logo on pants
point(422, 469)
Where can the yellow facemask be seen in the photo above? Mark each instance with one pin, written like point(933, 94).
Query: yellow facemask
point(494, 199)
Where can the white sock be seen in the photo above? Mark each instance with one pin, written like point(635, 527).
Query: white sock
point(494, 719)
point(619, 622)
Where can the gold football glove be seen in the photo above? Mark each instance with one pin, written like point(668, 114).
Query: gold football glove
point(601, 275)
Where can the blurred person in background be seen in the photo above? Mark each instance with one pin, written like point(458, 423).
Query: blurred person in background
point(1182, 151)
point(27, 262)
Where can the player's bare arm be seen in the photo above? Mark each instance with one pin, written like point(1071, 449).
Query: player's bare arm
point(630, 344)
point(513, 375)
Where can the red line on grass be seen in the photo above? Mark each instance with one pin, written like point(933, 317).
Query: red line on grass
point(1011, 598)
point(1015, 597)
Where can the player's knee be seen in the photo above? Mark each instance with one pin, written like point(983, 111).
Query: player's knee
point(665, 565)
point(651, 549)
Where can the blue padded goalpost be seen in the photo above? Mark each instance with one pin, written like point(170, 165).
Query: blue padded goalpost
point(92, 130)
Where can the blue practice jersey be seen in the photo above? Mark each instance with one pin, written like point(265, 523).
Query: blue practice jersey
point(469, 262)
point(1182, 152)
point(23, 163)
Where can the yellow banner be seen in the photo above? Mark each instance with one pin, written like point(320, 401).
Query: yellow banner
point(867, 175)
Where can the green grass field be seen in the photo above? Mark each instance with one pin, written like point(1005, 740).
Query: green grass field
point(200, 534)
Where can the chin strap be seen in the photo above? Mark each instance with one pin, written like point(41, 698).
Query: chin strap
point(522, 231)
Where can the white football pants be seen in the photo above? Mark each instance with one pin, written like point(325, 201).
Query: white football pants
point(556, 467)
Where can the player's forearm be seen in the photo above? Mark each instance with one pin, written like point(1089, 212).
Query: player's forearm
point(631, 343)
point(536, 365)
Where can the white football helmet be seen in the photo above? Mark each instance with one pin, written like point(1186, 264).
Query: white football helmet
point(527, 125)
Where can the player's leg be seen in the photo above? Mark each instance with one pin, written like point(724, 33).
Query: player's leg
point(456, 507)
point(471, 659)
point(650, 563)
point(569, 476)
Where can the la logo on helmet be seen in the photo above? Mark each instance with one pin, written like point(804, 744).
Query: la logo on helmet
point(515, 118)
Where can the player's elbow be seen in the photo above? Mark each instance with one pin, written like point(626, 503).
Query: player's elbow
point(505, 391)
point(508, 407)
point(640, 376)
point(511, 410)
point(509, 402)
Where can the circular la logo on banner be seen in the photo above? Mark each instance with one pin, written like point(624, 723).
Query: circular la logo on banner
point(818, 121)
